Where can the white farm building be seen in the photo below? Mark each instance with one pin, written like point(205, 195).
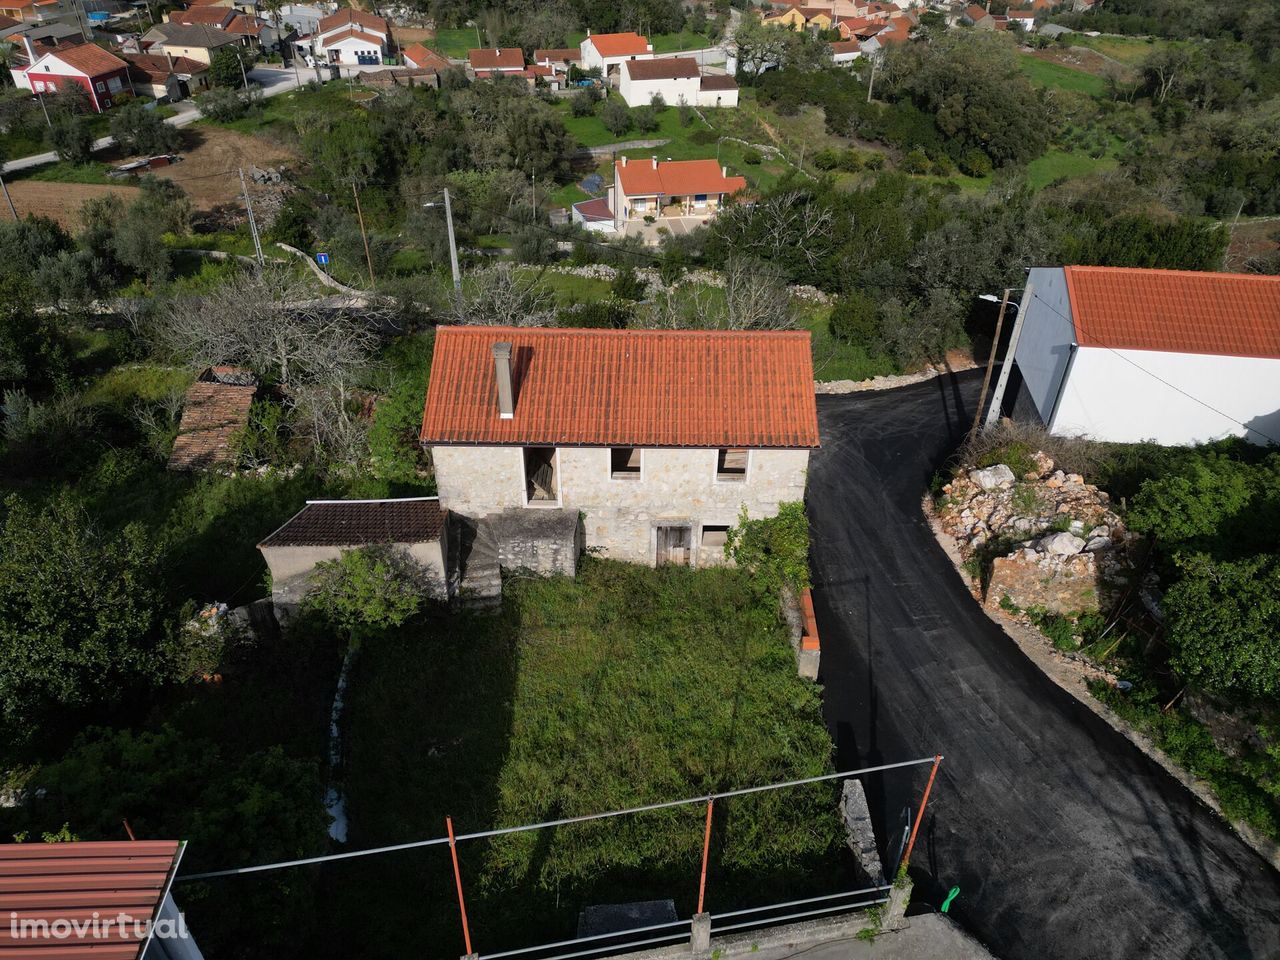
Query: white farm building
point(1178, 357)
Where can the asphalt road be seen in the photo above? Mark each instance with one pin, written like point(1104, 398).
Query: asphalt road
point(1065, 840)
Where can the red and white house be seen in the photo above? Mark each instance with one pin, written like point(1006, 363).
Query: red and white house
point(351, 36)
point(103, 75)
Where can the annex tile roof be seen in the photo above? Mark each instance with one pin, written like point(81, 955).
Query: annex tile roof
point(72, 882)
point(845, 46)
point(718, 82)
point(209, 16)
point(674, 178)
point(216, 406)
point(419, 56)
point(153, 67)
point(619, 44)
point(503, 58)
point(653, 388)
point(557, 55)
point(1175, 311)
point(358, 523)
point(352, 34)
point(90, 59)
point(673, 68)
point(348, 17)
point(193, 35)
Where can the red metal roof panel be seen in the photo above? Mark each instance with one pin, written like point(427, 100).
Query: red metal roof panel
point(652, 388)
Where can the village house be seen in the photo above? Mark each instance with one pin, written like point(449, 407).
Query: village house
point(1125, 355)
point(251, 31)
point(657, 440)
point(496, 61)
point(160, 76)
point(558, 60)
point(844, 52)
point(197, 42)
point(717, 90)
point(669, 189)
point(421, 58)
point(1022, 19)
point(801, 18)
point(676, 80)
point(978, 17)
point(34, 11)
point(607, 51)
point(102, 75)
point(350, 37)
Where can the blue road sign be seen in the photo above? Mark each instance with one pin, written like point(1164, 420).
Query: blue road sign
point(322, 259)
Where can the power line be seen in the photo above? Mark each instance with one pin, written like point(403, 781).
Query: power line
point(524, 828)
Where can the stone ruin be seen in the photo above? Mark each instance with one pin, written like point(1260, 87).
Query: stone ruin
point(1052, 539)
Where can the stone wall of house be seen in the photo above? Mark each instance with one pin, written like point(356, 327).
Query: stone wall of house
point(545, 542)
point(675, 487)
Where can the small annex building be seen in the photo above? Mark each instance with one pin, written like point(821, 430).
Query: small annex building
point(658, 440)
point(326, 529)
point(1124, 355)
point(215, 409)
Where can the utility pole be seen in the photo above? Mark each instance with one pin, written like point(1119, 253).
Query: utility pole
point(991, 362)
point(875, 60)
point(997, 399)
point(40, 97)
point(253, 224)
point(453, 243)
point(243, 75)
point(7, 198)
point(363, 236)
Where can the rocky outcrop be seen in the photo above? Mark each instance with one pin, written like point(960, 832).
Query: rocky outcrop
point(1046, 539)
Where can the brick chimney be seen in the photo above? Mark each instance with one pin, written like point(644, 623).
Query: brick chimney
point(502, 368)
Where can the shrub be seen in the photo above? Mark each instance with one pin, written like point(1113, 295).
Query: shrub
point(827, 159)
point(140, 130)
point(854, 320)
point(373, 587)
point(610, 314)
point(224, 104)
point(703, 137)
point(657, 103)
point(583, 103)
point(645, 120)
point(975, 163)
point(71, 139)
point(627, 285)
point(616, 117)
point(851, 161)
point(751, 157)
point(916, 162)
point(774, 550)
point(875, 161)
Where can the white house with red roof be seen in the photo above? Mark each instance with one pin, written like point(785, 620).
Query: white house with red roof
point(102, 75)
point(657, 439)
point(1124, 355)
point(351, 37)
point(496, 60)
point(607, 51)
point(669, 189)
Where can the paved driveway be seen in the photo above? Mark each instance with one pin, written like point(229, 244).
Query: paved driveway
point(1065, 840)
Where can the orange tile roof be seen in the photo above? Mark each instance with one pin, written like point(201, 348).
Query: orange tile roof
point(352, 34)
point(674, 178)
point(557, 55)
point(619, 44)
point(652, 388)
point(975, 12)
point(419, 56)
point(503, 58)
point(211, 416)
point(90, 59)
point(672, 68)
point(209, 16)
point(1175, 311)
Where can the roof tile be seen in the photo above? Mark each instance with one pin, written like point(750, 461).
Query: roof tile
point(624, 388)
point(359, 523)
point(619, 44)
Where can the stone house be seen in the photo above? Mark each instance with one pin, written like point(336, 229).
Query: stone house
point(656, 439)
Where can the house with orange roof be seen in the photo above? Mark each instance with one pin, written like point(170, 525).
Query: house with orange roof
point(653, 190)
point(558, 59)
point(102, 75)
point(421, 58)
point(1122, 355)
point(978, 16)
point(498, 60)
point(351, 37)
point(607, 51)
point(651, 443)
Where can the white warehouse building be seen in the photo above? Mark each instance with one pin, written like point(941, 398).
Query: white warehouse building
point(1124, 355)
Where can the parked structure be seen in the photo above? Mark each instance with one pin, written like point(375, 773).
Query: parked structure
point(675, 79)
point(326, 529)
point(102, 75)
point(608, 51)
point(1124, 355)
point(717, 90)
point(658, 439)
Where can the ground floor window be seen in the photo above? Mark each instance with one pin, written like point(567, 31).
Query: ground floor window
point(541, 485)
point(715, 536)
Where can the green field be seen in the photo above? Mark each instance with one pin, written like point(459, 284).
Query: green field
point(1127, 50)
point(1059, 164)
point(454, 43)
point(1045, 73)
point(675, 42)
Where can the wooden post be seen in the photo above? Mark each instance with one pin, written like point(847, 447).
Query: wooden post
point(991, 362)
point(365, 237)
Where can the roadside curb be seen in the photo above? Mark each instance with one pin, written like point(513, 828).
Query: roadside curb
point(1069, 674)
point(891, 381)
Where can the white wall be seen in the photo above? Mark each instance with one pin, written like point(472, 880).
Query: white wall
point(676, 486)
point(716, 98)
point(638, 93)
point(1118, 395)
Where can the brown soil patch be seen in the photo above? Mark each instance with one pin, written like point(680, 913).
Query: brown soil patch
point(1078, 58)
point(60, 201)
point(406, 36)
point(211, 159)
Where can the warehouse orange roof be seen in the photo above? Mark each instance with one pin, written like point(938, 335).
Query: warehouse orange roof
point(1175, 311)
point(655, 388)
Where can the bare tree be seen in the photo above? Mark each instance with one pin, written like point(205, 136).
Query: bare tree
point(498, 296)
point(753, 297)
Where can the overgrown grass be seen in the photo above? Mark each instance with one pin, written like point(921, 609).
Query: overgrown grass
point(625, 686)
point(64, 172)
point(1046, 73)
point(455, 43)
point(1247, 786)
point(675, 42)
point(835, 359)
point(1130, 51)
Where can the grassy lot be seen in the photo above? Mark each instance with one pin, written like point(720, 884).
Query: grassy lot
point(675, 42)
point(1127, 50)
point(455, 43)
point(63, 172)
point(1045, 73)
point(568, 289)
point(279, 113)
point(1058, 164)
point(625, 686)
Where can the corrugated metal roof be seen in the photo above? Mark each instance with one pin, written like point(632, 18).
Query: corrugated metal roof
point(73, 882)
point(359, 523)
point(651, 388)
point(1175, 311)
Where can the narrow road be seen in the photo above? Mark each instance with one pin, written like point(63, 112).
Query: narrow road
point(1065, 840)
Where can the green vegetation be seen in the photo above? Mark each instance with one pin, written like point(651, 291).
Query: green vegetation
point(454, 43)
point(625, 686)
point(1045, 73)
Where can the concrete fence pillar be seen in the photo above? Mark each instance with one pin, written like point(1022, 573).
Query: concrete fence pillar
point(895, 911)
point(700, 935)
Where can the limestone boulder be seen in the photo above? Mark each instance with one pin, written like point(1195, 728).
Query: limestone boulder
point(993, 478)
point(1061, 544)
